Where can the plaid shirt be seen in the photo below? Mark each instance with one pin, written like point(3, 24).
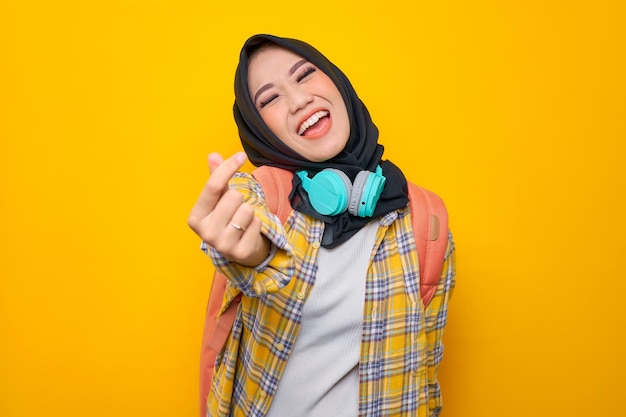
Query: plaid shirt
point(401, 346)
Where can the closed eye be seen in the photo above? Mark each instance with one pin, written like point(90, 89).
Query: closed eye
point(268, 100)
point(306, 72)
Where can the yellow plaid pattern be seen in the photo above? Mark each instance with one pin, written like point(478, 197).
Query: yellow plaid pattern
point(401, 345)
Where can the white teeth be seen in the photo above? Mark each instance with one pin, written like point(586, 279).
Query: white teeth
point(311, 121)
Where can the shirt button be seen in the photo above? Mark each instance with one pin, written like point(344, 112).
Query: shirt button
point(280, 347)
point(316, 244)
point(301, 295)
point(263, 394)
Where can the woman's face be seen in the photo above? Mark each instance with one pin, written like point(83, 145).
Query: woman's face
point(299, 103)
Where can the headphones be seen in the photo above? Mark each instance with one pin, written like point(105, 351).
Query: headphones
point(330, 191)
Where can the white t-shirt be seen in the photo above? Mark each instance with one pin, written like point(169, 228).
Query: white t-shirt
point(321, 378)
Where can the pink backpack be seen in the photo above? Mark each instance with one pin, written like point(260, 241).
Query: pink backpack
point(430, 227)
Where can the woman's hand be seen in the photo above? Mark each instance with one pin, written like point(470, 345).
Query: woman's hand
point(223, 220)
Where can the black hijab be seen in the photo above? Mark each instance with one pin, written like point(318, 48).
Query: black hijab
point(362, 151)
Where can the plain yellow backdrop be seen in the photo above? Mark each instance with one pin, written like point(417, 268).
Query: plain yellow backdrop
point(512, 111)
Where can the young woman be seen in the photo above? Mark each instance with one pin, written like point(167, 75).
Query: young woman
point(331, 322)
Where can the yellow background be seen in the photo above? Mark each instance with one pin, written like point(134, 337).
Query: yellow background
point(513, 111)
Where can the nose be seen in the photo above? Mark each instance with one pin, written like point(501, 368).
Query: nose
point(298, 98)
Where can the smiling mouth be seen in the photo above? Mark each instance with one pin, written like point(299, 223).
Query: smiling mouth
point(311, 121)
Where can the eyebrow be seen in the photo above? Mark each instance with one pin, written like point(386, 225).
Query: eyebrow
point(267, 86)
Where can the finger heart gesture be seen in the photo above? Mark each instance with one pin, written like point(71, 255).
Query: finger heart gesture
point(223, 220)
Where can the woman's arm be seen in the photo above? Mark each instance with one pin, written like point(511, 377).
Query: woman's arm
point(436, 319)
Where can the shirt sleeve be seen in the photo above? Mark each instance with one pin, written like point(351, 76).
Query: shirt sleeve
point(436, 318)
point(278, 269)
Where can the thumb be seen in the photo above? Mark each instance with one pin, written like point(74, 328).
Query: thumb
point(215, 160)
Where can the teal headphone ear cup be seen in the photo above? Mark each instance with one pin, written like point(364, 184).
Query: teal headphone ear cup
point(344, 178)
point(329, 191)
point(366, 191)
point(357, 192)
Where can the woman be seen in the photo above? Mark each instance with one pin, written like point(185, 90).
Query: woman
point(330, 322)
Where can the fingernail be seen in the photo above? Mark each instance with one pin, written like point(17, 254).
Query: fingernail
point(240, 157)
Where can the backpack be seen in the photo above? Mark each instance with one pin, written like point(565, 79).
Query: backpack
point(430, 227)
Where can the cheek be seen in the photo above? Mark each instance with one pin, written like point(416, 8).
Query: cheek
point(342, 116)
point(330, 90)
point(270, 119)
point(275, 120)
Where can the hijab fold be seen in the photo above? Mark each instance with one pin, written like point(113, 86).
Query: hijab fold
point(362, 151)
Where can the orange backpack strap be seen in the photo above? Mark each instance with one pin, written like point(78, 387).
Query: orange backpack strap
point(430, 227)
point(216, 330)
point(276, 184)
